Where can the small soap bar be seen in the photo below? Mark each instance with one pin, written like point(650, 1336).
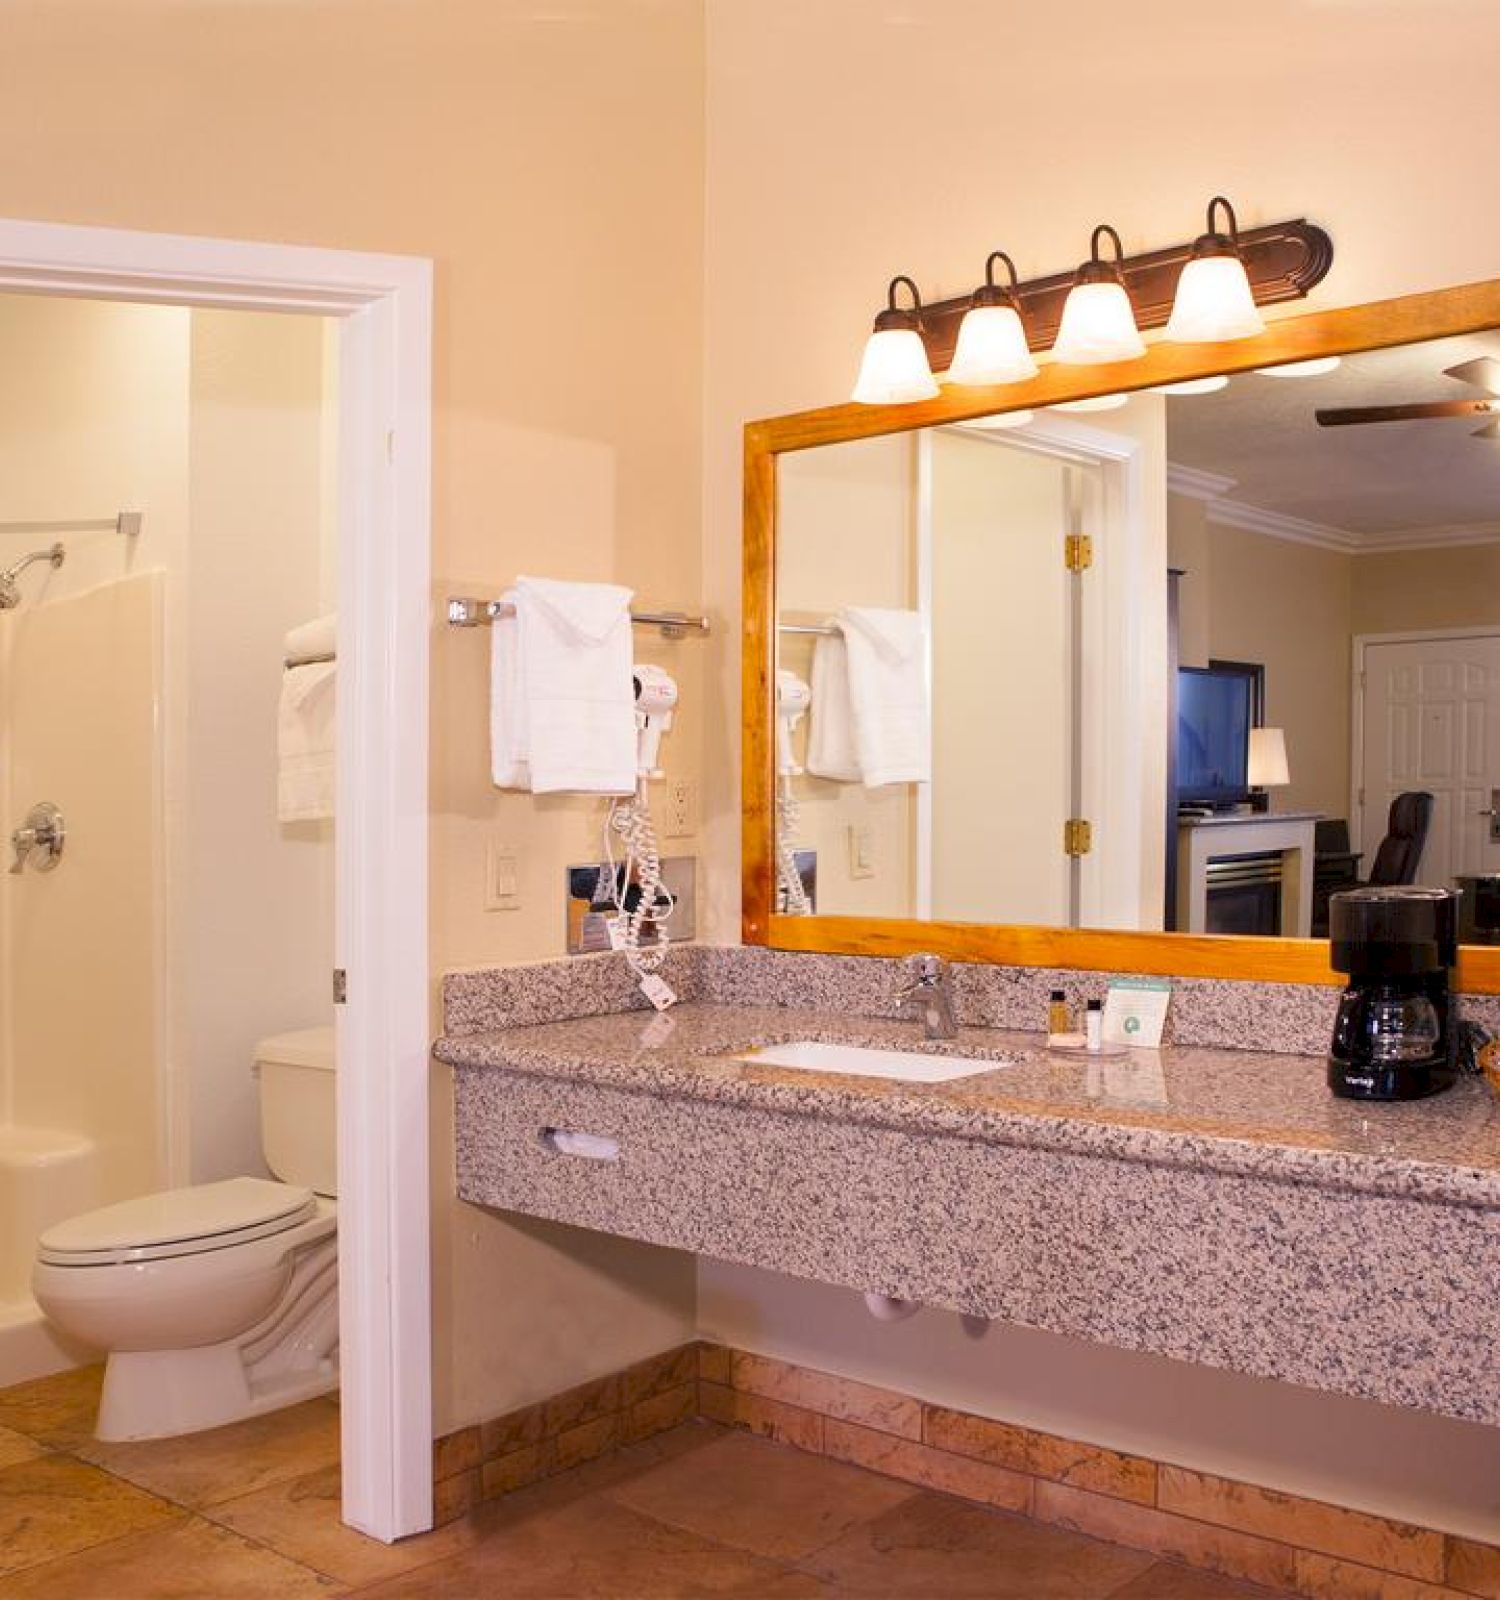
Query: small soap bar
point(1065, 1041)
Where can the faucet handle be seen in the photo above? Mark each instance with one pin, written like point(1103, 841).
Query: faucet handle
point(928, 968)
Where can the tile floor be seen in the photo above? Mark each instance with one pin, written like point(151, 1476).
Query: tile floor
point(250, 1512)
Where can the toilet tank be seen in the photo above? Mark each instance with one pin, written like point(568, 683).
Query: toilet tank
point(298, 1131)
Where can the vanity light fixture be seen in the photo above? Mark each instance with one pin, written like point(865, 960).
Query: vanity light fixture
point(895, 368)
point(1302, 369)
point(1214, 300)
point(992, 345)
point(1219, 380)
point(1098, 321)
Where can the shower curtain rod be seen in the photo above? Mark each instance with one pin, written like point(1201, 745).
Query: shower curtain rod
point(126, 522)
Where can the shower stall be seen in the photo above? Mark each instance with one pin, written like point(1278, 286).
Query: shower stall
point(80, 898)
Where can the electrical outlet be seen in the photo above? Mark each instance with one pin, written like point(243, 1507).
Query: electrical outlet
point(861, 850)
point(680, 809)
point(502, 879)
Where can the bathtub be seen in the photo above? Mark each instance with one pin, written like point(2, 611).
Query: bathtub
point(45, 1177)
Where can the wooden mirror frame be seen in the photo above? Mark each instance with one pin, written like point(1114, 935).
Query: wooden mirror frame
point(1439, 314)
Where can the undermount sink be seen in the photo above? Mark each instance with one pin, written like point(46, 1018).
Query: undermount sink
point(860, 1061)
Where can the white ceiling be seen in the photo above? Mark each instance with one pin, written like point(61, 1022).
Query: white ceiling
point(1380, 485)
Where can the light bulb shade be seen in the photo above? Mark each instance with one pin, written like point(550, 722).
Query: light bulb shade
point(991, 347)
point(894, 369)
point(1001, 420)
point(1214, 302)
point(1098, 326)
point(1267, 767)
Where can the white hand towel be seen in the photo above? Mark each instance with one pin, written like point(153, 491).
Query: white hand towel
point(830, 716)
point(563, 704)
point(888, 693)
point(305, 783)
point(311, 640)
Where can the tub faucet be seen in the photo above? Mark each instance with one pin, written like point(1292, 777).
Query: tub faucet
point(929, 998)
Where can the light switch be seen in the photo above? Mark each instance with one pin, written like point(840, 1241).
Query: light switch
point(502, 882)
point(861, 850)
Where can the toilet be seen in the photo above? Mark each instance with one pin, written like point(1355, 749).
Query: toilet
point(219, 1301)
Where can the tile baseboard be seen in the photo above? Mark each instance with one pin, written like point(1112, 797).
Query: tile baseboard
point(1238, 1529)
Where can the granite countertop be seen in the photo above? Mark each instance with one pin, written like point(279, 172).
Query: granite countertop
point(1233, 1111)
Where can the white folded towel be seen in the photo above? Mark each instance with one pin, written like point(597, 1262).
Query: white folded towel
point(562, 704)
point(887, 653)
point(312, 640)
point(830, 716)
point(305, 784)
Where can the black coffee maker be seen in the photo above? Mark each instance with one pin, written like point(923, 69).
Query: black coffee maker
point(1395, 1034)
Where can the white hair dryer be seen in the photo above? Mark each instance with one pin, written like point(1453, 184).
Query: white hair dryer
point(793, 697)
point(655, 697)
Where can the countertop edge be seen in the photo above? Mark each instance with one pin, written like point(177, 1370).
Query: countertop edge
point(1337, 1171)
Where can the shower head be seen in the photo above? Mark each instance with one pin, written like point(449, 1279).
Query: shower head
point(10, 593)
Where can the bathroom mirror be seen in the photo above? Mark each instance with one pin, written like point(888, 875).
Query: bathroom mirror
point(1134, 684)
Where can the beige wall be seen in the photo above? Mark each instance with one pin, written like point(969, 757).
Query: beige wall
point(192, 918)
point(847, 143)
point(93, 418)
point(251, 899)
point(550, 160)
point(1457, 587)
point(1247, 597)
point(850, 519)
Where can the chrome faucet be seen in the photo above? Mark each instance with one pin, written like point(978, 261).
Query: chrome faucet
point(928, 997)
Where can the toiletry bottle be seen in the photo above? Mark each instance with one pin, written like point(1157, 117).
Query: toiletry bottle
point(1093, 1025)
point(1058, 1018)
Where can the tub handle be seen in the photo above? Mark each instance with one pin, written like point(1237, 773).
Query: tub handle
point(591, 1146)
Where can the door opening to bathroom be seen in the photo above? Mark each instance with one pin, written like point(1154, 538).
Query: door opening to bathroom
point(210, 451)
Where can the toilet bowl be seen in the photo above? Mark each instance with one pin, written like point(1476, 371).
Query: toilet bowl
point(218, 1301)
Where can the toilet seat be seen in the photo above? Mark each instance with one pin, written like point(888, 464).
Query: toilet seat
point(178, 1222)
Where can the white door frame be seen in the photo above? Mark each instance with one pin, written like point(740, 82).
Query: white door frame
point(385, 497)
point(1116, 656)
point(1357, 709)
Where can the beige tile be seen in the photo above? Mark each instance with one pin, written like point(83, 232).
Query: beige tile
point(505, 1474)
point(455, 1453)
point(1198, 1544)
point(668, 1409)
point(1474, 1567)
point(1169, 1580)
point(58, 1411)
point(933, 1469)
point(585, 1403)
point(769, 1418)
point(501, 1435)
point(1043, 1454)
point(588, 1548)
point(834, 1396)
point(55, 1506)
point(191, 1561)
point(714, 1362)
point(200, 1469)
point(300, 1519)
point(670, 1370)
point(940, 1547)
point(455, 1497)
point(759, 1497)
point(1326, 1578)
point(553, 1489)
point(1307, 1524)
point(588, 1441)
point(16, 1447)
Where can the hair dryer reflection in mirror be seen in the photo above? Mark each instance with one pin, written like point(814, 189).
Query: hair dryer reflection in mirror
point(793, 893)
